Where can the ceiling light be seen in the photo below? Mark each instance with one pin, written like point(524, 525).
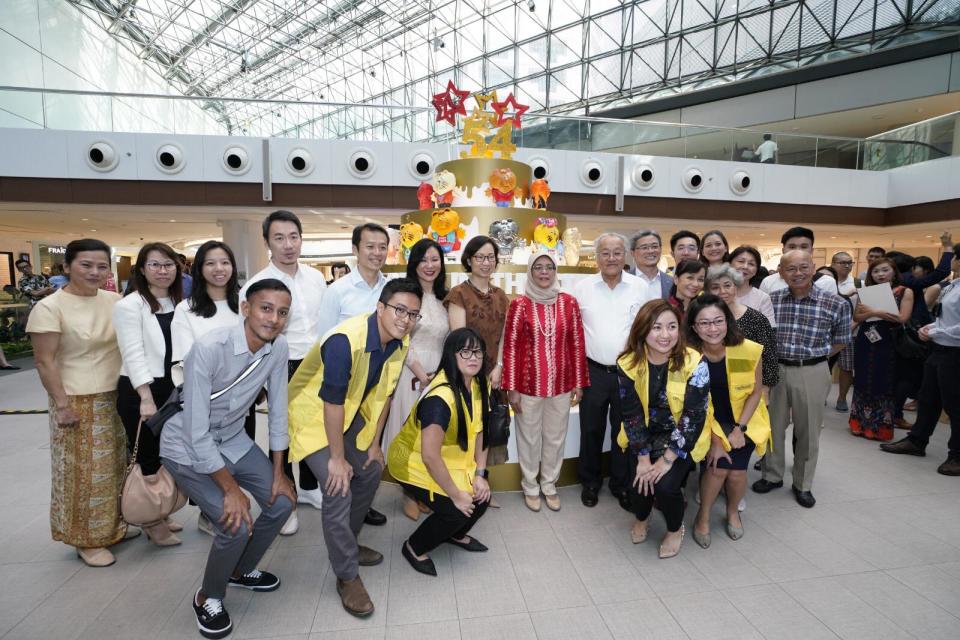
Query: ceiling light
point(84, 219)
point(172, 220)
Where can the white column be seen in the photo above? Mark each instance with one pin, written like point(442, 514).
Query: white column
point(246, 239)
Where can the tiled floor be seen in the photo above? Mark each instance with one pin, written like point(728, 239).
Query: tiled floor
point(878, 557)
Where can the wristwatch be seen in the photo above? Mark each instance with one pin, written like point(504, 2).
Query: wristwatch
point(740, 426)
point(483, 473)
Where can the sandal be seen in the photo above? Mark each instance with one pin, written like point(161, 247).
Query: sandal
point(664, 556)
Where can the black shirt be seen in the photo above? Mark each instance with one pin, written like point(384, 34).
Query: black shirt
point(720, 395)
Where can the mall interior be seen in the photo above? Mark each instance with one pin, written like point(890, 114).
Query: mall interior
point(186, 121)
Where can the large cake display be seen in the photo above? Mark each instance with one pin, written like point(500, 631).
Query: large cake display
point(486, 192)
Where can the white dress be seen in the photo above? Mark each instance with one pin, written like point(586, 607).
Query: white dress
point(426, 347)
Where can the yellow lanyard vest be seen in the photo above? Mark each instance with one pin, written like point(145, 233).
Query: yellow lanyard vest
point(676, 392)
point(305, 408)
point(405, 459)
point(741, 365)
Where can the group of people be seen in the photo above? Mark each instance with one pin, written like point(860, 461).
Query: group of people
point(707, 366)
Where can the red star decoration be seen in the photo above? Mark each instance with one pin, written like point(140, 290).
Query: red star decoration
point(450, 103)
point(500, 108)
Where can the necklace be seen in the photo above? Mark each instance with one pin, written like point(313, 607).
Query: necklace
point(549, 327)
point(478, 289)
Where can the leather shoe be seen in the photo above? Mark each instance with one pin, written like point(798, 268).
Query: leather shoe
point(900, 423)
point(367, 557)
point(354, 597)
point(905, 446)
point(951, 467)
point(623, 498)
point(474, 545)
point(589, 497)
point(804, 498)
point(426, 567)
point(96, 556)
point(765, 486)
point(375, 518)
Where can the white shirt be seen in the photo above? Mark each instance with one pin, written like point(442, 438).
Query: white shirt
point(847, 287)
point(774, 282)
point(652, 287)
point(348, 297)
point(307, 289)
point(608, 314)
point(766, 150)
point(188, 326)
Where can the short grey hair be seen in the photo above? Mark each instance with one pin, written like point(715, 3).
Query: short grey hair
point(642, 234)
point(609, 234)
point(721, 271)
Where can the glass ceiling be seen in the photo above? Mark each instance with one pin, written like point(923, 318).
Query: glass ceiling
point(558, 56)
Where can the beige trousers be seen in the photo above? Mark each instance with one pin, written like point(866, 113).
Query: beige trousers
point(541, 433)
point(801, 394)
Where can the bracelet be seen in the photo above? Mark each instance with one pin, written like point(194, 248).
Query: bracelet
point(483, 473)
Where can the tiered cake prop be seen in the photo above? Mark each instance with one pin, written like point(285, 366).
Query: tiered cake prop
point(485, 192)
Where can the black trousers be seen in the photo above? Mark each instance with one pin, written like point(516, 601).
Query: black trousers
point(601, 398)
point(667, 493)
point(128, 407)
point(906, 383)
point(939, 391)
point(308, 481)
point(444, 523)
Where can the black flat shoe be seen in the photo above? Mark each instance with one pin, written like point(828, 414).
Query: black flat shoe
point(375, 518)
point(765, 486)
point(804, 498)
point(9, 367)
point(474, 544)
point(425, 567)
point(589, 497)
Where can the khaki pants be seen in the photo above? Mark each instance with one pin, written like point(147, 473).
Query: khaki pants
point(541, 433)
point(801, 394)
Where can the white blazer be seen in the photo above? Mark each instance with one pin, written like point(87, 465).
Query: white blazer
point(140, 338)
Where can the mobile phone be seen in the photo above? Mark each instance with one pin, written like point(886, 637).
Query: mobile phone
point(415, 384)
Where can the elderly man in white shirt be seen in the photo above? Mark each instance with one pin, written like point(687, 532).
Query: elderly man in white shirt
point(609, 301)
point(283, 235)
point(796, 239)
point(647, 247)
point(357, 293)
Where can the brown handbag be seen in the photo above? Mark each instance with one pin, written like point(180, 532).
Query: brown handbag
point(145, 500)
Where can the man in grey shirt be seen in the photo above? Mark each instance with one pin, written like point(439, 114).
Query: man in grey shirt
point(207, 451)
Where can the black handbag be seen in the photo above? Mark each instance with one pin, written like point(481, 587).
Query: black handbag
point(498, 420)
point(907, 343)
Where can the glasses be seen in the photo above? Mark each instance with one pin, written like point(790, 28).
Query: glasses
point(606, 255)
point(647, 247)
point(544, 268)
point(845, 263)
point(161, 266)
point(483, 259)
point(471, 354)
point(706, 324)
point(403, 313)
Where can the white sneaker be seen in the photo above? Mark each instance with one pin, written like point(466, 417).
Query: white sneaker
point(742, 505)
point(204, 524)
point(292, 525)
point(312, 497)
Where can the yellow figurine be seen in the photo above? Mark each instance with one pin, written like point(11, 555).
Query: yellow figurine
point(446, 230)
point(410, 234)
point(546, 235)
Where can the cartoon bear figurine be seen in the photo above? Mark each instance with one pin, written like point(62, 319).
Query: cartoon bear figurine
point(504, 233)
point(503, 183)
point(425, 195)
point(444, 189)
point(410, 234)
point(446, 230)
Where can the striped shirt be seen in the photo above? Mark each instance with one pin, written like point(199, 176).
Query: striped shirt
point(808, 327)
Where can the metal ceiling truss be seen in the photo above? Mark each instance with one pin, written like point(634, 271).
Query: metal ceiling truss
point(560, 56)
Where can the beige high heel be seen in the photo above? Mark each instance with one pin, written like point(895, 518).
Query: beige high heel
point(664, 555)
point(96, 556)
point(159, 534)
point(173, 525)
point(411, 509)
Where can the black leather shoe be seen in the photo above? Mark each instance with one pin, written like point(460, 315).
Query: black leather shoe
point(425, 567)
point(625, 503)
point(906, 446)
point(804, 498)
point(474, 545)
point(589, 497)
point(375, 518)
point(765, 486)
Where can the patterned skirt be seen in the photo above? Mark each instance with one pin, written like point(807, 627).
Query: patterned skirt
point(87, 465)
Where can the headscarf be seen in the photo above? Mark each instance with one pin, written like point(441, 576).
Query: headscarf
point(535, 292)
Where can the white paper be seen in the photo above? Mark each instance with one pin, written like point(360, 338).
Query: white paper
point(879, 297)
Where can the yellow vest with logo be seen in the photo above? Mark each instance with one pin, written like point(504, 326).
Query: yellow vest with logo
point(305, 408)
point(676, 392)
point(405, 460)
point(741, 364)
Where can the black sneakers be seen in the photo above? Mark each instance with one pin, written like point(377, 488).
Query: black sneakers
point(213, 621)
point(256, 580)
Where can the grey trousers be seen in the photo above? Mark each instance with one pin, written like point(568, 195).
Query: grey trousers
point(342, 516)
point(239, 552)
point(800, 394)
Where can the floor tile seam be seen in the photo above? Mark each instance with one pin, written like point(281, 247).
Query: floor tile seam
point(516, 578)
point(796, 602)
point(934, 603)
point(573, 565)
point(595, 607)
point(673, 617)
point(38, 604)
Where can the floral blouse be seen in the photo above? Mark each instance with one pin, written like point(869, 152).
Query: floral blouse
point(663, 431)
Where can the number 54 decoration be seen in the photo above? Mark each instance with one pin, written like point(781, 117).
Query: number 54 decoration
point(490, 132)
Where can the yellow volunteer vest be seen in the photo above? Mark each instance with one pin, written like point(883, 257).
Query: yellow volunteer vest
point(676, 391)
point(741, 365)
point(305, 408)
point(404, 459)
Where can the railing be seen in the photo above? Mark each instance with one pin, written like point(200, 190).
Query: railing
point(153, 113)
